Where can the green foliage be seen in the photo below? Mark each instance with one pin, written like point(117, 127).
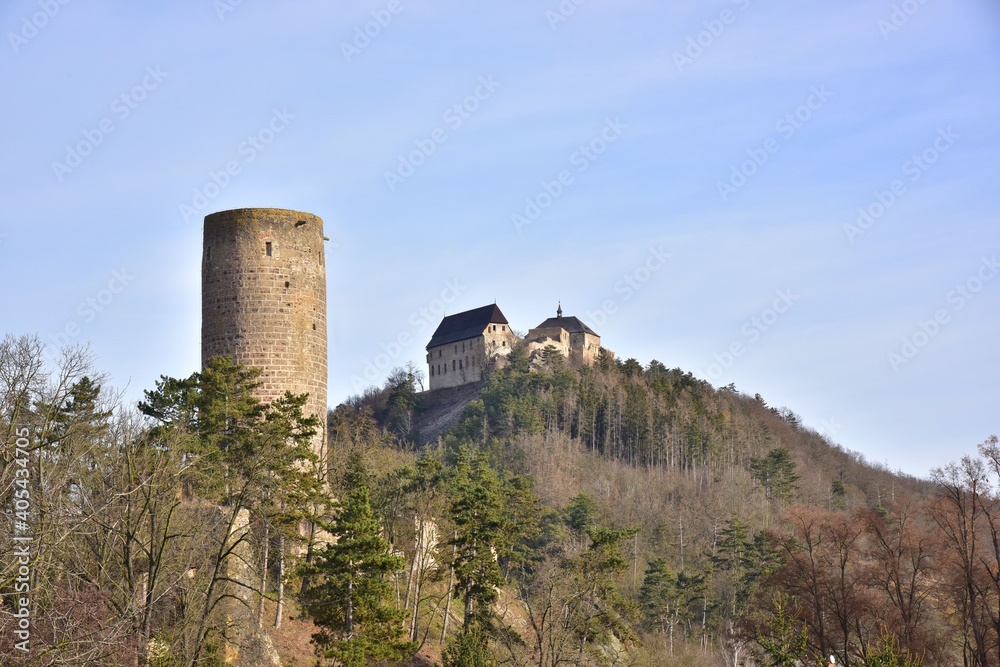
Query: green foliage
point(581, 513)
point(352, 596)
point(468, 648)
point(241, 451)
point(776, 473)
point(657, 595)
point(492, 517)
point(786, 642)
point(886, 652)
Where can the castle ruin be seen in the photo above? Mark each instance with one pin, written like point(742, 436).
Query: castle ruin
point(263, 302)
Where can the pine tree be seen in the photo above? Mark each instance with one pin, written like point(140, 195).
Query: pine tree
point(656, 595)
point(776, 473)
point(351, 599)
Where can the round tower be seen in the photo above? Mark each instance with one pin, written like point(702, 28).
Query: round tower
point(263, 301)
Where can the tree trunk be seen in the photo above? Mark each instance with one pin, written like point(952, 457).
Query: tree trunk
point(281, 581)
point(451, 585)
point(262, 590)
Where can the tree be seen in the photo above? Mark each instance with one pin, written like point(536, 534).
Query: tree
point(656, 596)
point(785, 642)
point(253, 459)
point(776, 473)
point(468, 648)
point(351, 597)
point(487, 512)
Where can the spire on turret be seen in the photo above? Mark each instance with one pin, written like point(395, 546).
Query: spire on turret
point(559, 310)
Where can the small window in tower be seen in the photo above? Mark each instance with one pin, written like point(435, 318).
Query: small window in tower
point(287, 284)
point(300, 223)
point(505, 343)
point(432, 371)
point(208, 253)
point(267, 248)
point(452, 364)
point(459, 364)
point(314, 327)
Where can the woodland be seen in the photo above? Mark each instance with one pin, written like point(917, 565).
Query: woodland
point(619, 514)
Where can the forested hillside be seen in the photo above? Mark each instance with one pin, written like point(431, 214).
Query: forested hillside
point(675, 523)
point(622, 514)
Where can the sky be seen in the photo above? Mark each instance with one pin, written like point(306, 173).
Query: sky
point(800, 199)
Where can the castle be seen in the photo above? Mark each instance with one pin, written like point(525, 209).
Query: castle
point(263, 301)
point(465, 344)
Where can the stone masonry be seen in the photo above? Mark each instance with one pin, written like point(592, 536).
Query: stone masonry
point(264, 301)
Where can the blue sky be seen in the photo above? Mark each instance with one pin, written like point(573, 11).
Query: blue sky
point(688, 177)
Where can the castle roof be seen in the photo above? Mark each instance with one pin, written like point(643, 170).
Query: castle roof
point(570, 324)
point(469, 324)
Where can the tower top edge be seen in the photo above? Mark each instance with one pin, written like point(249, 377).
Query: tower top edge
point(262, 213)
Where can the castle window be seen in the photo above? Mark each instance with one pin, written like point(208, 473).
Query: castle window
point(504, 343)
point(314, 327)
point(452, 364)
point(459, 364)
point(287, 284)
point(300, 223)
point(267, 248)
point(208, 254)
point(432, 371)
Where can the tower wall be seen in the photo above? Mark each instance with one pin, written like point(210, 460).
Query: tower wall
point(264, 301)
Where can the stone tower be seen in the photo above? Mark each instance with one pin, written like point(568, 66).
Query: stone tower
point(263, 301)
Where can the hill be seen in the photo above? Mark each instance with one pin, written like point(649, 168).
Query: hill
point(707, 483)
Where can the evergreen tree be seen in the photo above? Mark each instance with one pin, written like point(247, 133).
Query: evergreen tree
point(351, 599)
point(786, 642)
point(656, 595)
point(468, 648)
point(776, 473)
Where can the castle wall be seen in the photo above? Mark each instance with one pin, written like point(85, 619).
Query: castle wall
point(454, 364)
point(584, 348)
point(538, 339)
point(264, 301)
point(464, 361)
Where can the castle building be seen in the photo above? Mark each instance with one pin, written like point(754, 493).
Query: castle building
point(569, 335)
point(465, 343)
point(263, 301)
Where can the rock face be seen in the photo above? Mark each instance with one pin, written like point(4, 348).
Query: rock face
point(264, 301)
point(248, 645)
